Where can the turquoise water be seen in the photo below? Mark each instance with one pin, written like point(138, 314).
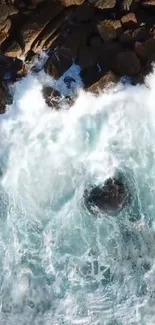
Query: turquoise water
point(59, 265)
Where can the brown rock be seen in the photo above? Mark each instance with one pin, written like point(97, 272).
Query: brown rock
point(5, 31)
point(127, 64)
point(83, 13)
point(31, 30)
point(7, 27)
point(148, 3)
point(68, 3)
point(50, 32)
point(4, 12)
point(109, 29)
point(58, 63)
point(129, 21)
point(106, 82)
point(13, 50)
point(87, 57)
point(103, 4)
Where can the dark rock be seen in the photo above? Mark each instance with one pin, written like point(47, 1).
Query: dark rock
point(107, 55)
point(126, 39)
point(95, 41)
point(84, 13)
point(36, 2)
point(2, 101)
point(68, 3)
point(87, 57)
point(140, 34)
point(58, 63)
point(90, 75)
point(127, 64)
point(146, 50)
point(109, 29)
point(103, 4)
point(54, 99)
point(13, 50)
point(10, 68)
point(76, 38)
point(106, 82)
point(129, 21)
point(112, 197)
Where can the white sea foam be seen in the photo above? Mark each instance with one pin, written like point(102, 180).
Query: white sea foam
point(58, 264)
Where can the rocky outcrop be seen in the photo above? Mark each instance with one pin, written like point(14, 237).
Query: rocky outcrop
point(111, 197)
point(109, 29)
point(107, 38)
point(104, 83)
point(31, 29)
point(129, 21)
point(58, 63)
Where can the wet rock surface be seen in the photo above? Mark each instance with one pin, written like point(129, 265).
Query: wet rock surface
point(54, 99)
point(111, 197)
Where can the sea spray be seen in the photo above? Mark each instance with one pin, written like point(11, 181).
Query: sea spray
point(59, 264)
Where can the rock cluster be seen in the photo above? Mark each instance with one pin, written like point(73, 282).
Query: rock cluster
point(107, 38)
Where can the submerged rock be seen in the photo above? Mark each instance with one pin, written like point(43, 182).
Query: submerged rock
point(112, 197)
point(54, 99)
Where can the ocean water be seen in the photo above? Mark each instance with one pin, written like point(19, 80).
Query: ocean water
point(59, 264)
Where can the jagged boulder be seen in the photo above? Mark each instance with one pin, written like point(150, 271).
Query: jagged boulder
point(111, 197)
point(31, 30)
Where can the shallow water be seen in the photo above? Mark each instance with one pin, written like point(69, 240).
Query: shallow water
point(60, 265)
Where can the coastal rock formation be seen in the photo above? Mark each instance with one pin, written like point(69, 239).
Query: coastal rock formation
point(107, 38)
point(111, 197)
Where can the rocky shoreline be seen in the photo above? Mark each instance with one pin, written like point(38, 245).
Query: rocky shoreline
point(107, 38)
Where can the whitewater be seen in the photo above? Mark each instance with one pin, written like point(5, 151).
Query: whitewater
point(59, 264)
